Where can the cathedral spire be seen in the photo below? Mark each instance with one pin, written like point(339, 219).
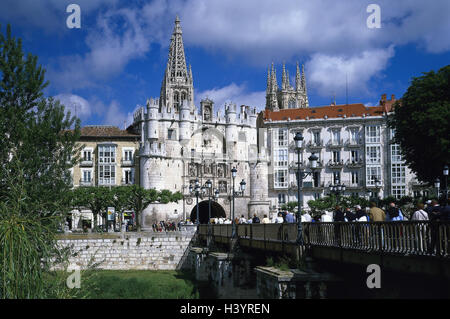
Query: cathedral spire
point(283, 78)
point(177, 85)
point(176, 64)
point(268, 88)
point(274, 79)
point(298, 80)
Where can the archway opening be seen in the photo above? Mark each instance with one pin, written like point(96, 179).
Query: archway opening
point(203, 209)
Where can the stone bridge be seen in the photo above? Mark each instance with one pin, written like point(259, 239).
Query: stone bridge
point(395, 246)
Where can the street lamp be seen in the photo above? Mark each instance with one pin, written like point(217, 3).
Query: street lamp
point(437, 184)
point(377, 189)
point(337, 189)
point(301, 175)
point(197, 194)
point(234, 194)
point(208, 186)
point(445, 173)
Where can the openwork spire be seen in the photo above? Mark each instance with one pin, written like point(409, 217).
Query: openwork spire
point(176, 64)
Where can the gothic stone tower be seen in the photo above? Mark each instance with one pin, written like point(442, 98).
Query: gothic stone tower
point(181, 142)
point(286, 97)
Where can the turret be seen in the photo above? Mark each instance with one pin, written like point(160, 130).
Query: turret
point(185, 113)
point(152, 124)
point(231, 128)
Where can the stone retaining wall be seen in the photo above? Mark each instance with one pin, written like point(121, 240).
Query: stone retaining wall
point(123, 251)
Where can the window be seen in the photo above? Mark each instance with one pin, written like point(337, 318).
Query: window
point(336, 177)
point(395, 153)
point(87, 176)
point(316, 196)
point(398, 174)
point(282, 137)
point(373, 134)
point(281, 157)
point(107, 167)
point(128, 177)
point(128, 155)
point(316, 137)
point(336, 137)
point(373, 173)
point(171, 134)
point(398, 191)
point(281, 178)
point(354, 136)
point(373, 154)
point(355, 177)
point(336, 156)
point(354, 156)
point(281, 199)
point(316, 179)
point(87, 155)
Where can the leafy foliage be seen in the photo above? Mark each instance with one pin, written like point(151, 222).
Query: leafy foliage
point(421, 124)
point(37, 139)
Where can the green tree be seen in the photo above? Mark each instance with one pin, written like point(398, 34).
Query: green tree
point(96, 199)
point(421, 124)
point(120, 200)
point(141, 198)
point(37, 141)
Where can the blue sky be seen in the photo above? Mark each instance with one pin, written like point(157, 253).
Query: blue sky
point(117, 59)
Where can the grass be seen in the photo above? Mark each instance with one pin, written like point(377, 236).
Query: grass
point(140, 284)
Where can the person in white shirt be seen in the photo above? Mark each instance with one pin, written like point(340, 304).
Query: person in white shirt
point(326, 218)
point(220, 221)
point(242, 220)
point(279, 219)
point(306, 218)
point(420, 214)
point(265, 220)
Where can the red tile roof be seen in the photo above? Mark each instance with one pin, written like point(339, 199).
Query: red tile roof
point(331, 111)
point(105, 131)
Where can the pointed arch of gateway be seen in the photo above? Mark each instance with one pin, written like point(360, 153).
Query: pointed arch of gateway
point(216, 211)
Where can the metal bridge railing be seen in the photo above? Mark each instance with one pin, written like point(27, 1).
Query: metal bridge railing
point(400, 237)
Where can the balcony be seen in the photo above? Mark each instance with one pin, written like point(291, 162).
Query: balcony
point(354, 164)
point(307, 185)
point(86, 182)
point(354, 186)
point(335, 164)
point(335, 144)
point(315, 145)
point(127, 162)
point(86, 162)
point(354, 143)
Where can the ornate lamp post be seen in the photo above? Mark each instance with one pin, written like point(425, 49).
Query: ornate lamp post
point(437, 184)
point(208, 186)
point(337, 189)
point(301, 175)
point(234, 194)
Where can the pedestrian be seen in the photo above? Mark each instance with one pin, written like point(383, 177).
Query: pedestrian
point(306, 217)
point(255, 219)
point(435, 216)
point(242, 220)
point(349, 215)
point(376, 214)
point(279, 219)
point(393, 213)
point(265, 220)
point(420, 213)
point(338, 216)
point(289, 217)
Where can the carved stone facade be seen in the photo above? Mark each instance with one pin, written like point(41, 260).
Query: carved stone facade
point(286, 97)
point(181, 142)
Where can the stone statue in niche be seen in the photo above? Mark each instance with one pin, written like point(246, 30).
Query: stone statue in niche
point(207, 114)
point(192, 170)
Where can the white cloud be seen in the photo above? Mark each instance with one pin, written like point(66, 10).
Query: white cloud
point(118, 38)
point(77, 105)
point(237, 94)
point(329, 74)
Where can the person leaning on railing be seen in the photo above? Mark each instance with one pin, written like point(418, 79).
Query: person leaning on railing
point(436, 215)
point(376, 214)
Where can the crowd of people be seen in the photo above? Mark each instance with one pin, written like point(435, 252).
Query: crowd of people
point(164, 226)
